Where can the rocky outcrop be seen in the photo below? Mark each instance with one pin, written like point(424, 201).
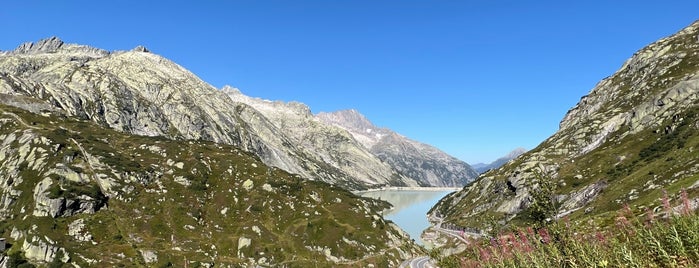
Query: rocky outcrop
point(149, 256)
point(78, 230)
point(633, 134)
point(37, 249)
point(45, 206)
point(421, 162)
point(49, 45)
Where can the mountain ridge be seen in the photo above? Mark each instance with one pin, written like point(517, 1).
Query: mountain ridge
point(630, 137)
point(143, 93)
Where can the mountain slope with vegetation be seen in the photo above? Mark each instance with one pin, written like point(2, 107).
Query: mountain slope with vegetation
point(75, 192)
point(635, 135)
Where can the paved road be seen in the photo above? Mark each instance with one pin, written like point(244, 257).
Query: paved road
point(418, 262)
point(454, 233)
point(425, 261)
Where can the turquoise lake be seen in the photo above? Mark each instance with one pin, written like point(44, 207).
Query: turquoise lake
point(409, 208)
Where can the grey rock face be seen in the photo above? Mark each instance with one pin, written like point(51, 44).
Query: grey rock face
point(37, 249)
point(48, 45)
point(421, 162)
point(45, 206)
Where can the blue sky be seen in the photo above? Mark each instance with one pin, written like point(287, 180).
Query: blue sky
point(474, 78)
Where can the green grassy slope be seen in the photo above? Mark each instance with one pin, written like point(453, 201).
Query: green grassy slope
point(192, 201)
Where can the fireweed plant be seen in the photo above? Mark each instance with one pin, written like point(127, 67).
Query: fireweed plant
point(669, 238)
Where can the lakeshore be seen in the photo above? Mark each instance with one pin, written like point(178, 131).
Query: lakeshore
point(410, 206)
point(426, 189)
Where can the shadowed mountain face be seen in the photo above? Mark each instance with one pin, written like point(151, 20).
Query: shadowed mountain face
point(75, 192)
point(419, 161)
point(635, 134)
point(142, 93)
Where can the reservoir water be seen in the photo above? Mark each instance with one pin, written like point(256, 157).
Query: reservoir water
point(409, 208)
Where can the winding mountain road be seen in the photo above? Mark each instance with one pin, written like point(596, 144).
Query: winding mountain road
point(418, 262)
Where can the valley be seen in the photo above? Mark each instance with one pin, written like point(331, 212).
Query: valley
point(125, 158)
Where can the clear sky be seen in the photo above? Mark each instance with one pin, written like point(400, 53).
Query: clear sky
point(474, 78)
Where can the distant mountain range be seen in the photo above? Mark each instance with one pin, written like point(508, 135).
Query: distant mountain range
point(482, 167)
point(424, 163)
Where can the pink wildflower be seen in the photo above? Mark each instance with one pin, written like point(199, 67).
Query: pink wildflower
point(666, 204)
point(686, 207)
point(545, 237)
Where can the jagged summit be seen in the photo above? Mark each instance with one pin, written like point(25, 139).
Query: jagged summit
point(140, 48)
point(55, 46)
point(350, 118)
point(48, 45)
point(515, 153)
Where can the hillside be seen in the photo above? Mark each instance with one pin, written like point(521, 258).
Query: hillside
point(75, 192)
point(632, 137)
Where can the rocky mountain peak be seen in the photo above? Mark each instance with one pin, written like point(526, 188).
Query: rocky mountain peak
point(48, 45)
point(140, 48)
point(230, 90)
point(272, 109)
point(515, 153)
point(350, 119)
point(55, 46)
point(424, 163)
